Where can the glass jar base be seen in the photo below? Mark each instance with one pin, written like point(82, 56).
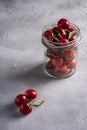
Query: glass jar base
point(52, 74)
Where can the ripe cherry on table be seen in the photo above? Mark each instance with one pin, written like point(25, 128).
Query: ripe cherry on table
point(31, 94)
point(25, 108)
point(20, 99)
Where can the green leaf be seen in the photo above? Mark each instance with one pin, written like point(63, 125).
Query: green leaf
point(37, 103)
point(71, 34)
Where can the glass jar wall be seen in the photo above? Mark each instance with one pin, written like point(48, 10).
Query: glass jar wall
point(60, 61)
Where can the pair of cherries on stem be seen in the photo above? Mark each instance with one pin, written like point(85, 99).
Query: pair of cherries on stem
point(22, 100)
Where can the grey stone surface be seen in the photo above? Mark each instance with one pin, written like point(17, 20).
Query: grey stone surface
point(21, 59)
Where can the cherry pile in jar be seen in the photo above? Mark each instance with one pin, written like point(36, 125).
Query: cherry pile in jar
point(61, 62)
point(62, 47)
point(61, 34)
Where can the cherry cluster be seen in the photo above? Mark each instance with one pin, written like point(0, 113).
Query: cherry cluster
point(22, 100)
point(62, 34)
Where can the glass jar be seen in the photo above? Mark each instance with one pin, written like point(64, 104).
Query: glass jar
point(60, 61)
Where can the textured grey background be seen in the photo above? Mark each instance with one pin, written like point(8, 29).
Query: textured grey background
point(21, 59)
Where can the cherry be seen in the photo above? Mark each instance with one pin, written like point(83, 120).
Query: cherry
point(62, 32)
point(64, 23)
point(25, 108)
point(31, 94)
point(51, 53)
point(63, 69)
point(71, 30)
point(72, 63)
point(55, 30)
point(56, 62)
point(57, 69)
point(64, 42)
point(20, 99)
point(49, 65)
point(49, 34)
point(68, 54)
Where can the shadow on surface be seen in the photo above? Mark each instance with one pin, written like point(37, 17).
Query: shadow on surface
point(11, 111)
point(33, 77)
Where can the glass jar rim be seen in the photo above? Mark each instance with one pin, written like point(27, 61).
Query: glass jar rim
point(50, 44)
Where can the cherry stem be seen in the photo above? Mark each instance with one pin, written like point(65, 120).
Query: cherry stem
point(60, 35)
point(56, 39)
point(28, 100)
point(67, 30)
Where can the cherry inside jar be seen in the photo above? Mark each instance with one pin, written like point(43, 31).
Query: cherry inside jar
point(60, 57)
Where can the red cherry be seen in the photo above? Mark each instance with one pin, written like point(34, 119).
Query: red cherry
point(31, 94)
point(64, 42)
point(53, 53)
point(56, 62)
point(55, 30)
point(74, 37)
point(57, 69)
point(49, 34)
point(49, 65)
point(71, 30)
point(68, 54)
point(72, 63)
point(64, 23)
point(25, 108)
point(62, 32)
point(63, 69)
point(20, 99)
